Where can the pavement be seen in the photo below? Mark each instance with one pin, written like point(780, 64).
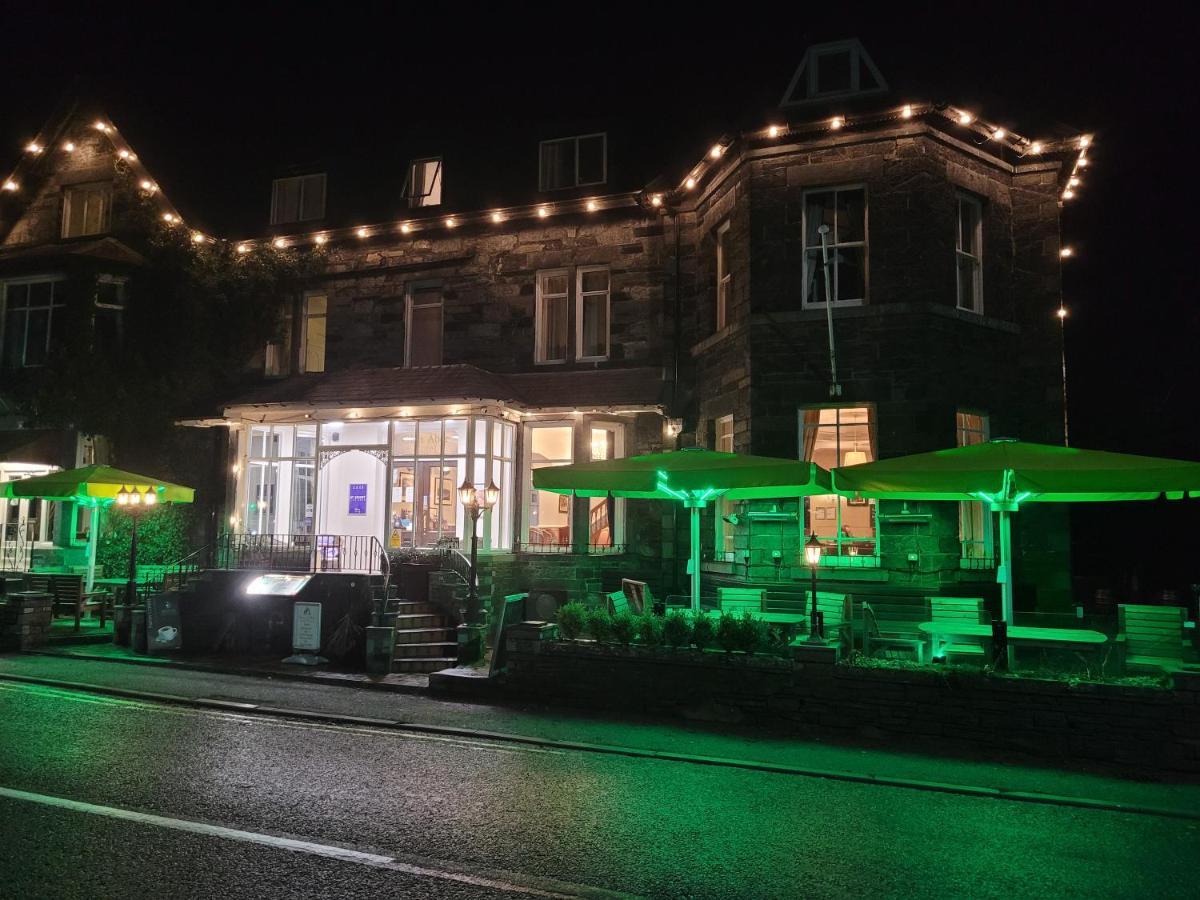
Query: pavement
point(105, 796)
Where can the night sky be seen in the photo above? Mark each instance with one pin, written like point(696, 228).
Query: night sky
point(218, 99)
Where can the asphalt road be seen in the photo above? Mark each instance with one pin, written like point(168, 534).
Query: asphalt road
point(102, 797)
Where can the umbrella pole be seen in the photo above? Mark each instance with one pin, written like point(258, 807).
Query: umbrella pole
point(695, 506)
point(1006, 564)
point(93, 534)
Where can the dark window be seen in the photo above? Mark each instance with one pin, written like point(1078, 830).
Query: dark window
point(299, 199)
point(833, 72)
point(573, 162)
point(425, 325)
point(30, 313)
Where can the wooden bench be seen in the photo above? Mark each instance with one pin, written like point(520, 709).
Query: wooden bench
point(957, 610)
point(1151, 637)
point(833, 607)
point(69, 596)
point(881, 639)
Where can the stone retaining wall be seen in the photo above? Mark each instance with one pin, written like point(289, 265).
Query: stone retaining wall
point(24, 622)
point(1132, 727)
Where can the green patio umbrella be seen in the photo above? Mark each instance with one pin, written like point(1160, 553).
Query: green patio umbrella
point(96, 487)
point(693, 477)
point(1005, 473)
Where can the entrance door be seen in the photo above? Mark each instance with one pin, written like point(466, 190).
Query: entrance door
point(437, 502)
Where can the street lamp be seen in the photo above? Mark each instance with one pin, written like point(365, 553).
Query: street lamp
point(476, 501)
point(812, 555)
point(135, 503)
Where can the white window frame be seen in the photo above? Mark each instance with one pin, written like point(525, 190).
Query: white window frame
point(579, 298)
point(104, 189)
point(303, 181)
point(960, 254)
point(984, 434)
point(433, 197)
point(305, 318)
point(411, 290)
point(539, 319)
point(527, 487)
point(54, 304)
point(838, 539)
point(722, 444)
point(724, 276)
point(617, 432)
point(809, 303)
point(574, 139)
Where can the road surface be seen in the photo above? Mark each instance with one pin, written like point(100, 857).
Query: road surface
point(107, 797)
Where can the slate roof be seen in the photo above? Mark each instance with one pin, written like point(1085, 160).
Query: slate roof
point(643, 386)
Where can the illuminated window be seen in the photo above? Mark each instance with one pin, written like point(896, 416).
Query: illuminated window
point(86, 210)
point(605, 514)
point(298, 199)
point(592, 313)
point(724, 277)
point(424, 187)
point(968, 252)
point(831, 437)
point(723, 544)
point(280, 480)
point(312, 334)
point(844, 210)
point(32, 314)
point(424, 344)
point(548, 516)
point(974, 522)
point(572, 162)
point(551, 316)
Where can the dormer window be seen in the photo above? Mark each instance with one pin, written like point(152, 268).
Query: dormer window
point(298, 199)
point(832, 71)
point(86, 209)
point(573, 162)
point(425, 182)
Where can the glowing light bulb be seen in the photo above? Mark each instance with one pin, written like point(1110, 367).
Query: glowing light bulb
point(405, 228)
point(320, 239)
point(147, 185)
point(451, 222)
point(1066, 252)
point(543, 212)
point(690, 183)
point(100, 126)
point(998, 134)
point(1084, 142)
point(497, 218)
point(243, 248)
point(1035, 147)
point(123, 153)
point(716, 151)
point(592, 206)
point(836, 122)
point(197, 237)
point(33, 147)
point(1082, 161)
point(1062, 312)
point(10, 185)
point(168, 218)
point(279, 243)
point(906, 111)
point(656, 200)
point(69, 146)
point(1068, 194)
point(362, 233)
point(1072, 181)
point(965, 118)
point(772, 131)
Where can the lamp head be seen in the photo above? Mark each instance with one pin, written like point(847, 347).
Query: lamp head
point(491, 495)
point(812, 550)
point(151, 497)
point(466, 493)
point(123, 496)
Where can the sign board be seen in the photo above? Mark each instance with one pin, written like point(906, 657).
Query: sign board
point(306, 626)
point(358, 500)
point(277, 584)
point(162, 622)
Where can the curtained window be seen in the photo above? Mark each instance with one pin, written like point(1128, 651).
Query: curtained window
point(551, 316)
point(832, 437)
point(844, 210)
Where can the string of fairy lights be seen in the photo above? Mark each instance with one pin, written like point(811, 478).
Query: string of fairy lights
point(988, 133)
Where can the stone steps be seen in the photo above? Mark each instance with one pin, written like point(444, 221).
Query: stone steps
point(434, 635)
point(423, 664)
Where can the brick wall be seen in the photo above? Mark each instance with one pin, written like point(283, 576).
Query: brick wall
point(1130, 727)
point(24, 622)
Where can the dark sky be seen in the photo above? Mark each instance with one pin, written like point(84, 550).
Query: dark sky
point(217, 98)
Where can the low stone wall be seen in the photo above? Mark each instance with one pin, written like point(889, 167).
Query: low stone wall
point(1133, 727)
point(24, 622)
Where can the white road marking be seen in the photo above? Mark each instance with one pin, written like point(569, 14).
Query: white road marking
point(328, 851)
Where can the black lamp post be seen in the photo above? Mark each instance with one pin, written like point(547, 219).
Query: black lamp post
point(475, 502)
point(135, 503)
point(812, 555)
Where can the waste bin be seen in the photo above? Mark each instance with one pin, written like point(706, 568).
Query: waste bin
point(137, 630)
point(122, 617)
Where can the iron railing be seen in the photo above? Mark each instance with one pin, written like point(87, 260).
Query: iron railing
point(16, 555)
point(350, 553)
point(591, 549)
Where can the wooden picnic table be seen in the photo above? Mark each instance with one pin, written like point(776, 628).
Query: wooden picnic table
point(1071, 638)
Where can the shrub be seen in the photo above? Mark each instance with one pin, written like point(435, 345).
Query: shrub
point(599, 624)
point(752, 633)
point(624, 627)
point(571, 617)
point(728, 632)
point(650, 629)
point(677, 629)
point(703, 631)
